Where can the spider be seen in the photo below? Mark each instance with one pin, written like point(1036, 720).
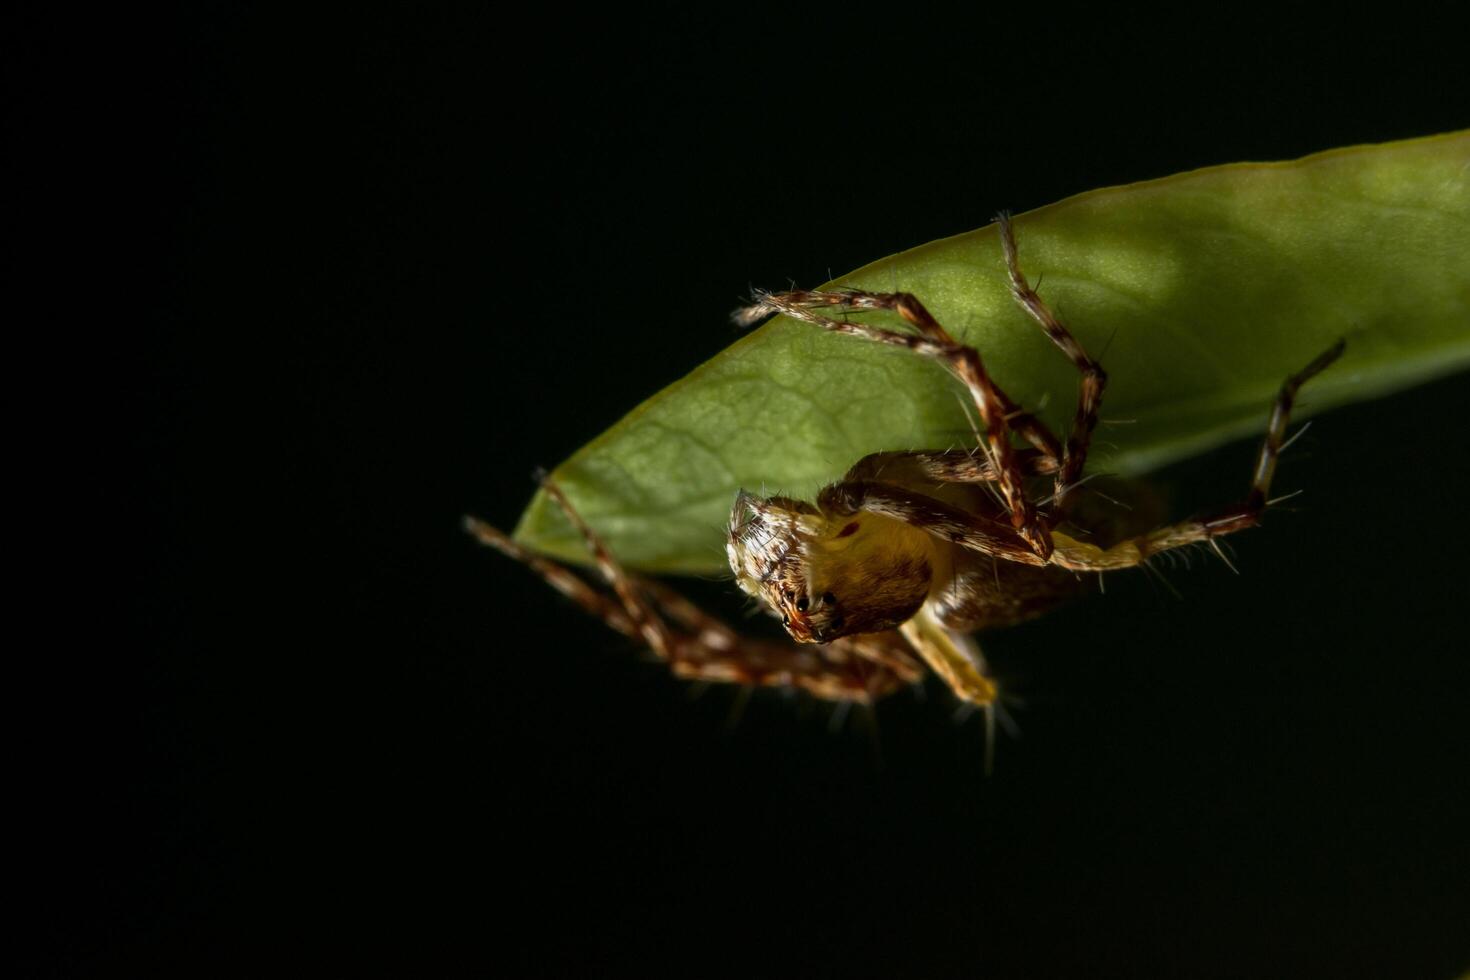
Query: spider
point(898, 564)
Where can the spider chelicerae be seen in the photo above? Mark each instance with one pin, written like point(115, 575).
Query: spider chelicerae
point(896, 565)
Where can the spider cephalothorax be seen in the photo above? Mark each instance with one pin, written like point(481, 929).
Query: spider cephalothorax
point(828, 575)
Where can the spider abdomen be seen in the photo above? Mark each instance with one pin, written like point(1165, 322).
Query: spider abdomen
point(983, 592)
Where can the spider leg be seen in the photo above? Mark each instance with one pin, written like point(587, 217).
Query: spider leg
point(944, 521)
point(949, 466)
point(801, 304)
point(952, 656)
point(884, 649)
point(652, 628)
point(704, 648)
point(957, 661)
point(556, 576)
point(1238, 517)
point(999, 415)
point(1094, 378)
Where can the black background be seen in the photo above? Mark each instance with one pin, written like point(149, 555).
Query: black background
point(328, 282)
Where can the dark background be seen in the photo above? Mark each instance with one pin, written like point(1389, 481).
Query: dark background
point(329, 282)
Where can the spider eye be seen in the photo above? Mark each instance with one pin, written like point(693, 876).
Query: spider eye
point(801, 604)
point(829, 598)
point(837, 622)
point(785, 620)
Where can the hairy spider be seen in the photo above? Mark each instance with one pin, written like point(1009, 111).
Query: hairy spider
point(911, 552)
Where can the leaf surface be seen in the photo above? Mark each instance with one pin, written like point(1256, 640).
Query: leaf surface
point(1199, 292)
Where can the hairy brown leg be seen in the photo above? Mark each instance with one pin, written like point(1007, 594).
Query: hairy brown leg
point(1246, 514)
point(853, 669)
point(1094, 378)
point(949, 466)
point(647, 620)
point(1017, 419)
point(887, 650)
point(557, 576)
point(998, 414)
point(944, 521)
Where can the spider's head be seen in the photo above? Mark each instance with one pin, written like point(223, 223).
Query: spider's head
point(826, 578)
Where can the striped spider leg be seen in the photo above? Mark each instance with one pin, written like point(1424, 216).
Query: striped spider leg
point(696, 645)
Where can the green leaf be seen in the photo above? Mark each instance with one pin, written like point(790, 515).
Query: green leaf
point(1204, 290)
